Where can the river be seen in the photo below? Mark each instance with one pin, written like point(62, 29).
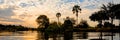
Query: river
point(35, 35)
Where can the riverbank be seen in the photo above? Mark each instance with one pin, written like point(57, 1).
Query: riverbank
point(58, 29)
point(73, 30)
point(92, 29)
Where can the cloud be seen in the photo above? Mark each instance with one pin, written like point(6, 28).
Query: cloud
point(10, 20)
point(6, 14)
point(1, 1)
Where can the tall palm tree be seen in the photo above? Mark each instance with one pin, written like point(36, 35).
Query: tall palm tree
point(58, 15)
point(76, 9)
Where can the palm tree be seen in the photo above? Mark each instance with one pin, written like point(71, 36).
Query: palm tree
point(58, 15)
point(76, 9)
point(99, 16)
point(109, 10)
point(117, 13)
point(43, 21)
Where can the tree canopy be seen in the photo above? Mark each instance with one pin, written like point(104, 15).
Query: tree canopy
point(43, 21)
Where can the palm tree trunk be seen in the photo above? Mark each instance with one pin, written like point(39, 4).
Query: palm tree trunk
point(119, 22)
point(112, 30)
point(58, 21)
point(77, 18)
point(112, 21)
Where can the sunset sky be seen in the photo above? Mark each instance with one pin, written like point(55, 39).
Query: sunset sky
point(25, 12)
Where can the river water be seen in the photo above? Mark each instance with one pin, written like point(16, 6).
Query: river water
point(35, 35)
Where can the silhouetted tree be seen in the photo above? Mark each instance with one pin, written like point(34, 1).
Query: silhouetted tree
point(71, 19)
point(94, 17)
point(53, 27)
point(43, 21)
point(99, 16)
point(76, 9)
point(68, 24)
point(107, 24)
point(116, 9)
point(109, 10)
point(13, 28)
point(83, 24)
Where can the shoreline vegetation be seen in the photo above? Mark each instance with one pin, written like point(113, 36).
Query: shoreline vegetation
point(90, 29)
point(107, 13)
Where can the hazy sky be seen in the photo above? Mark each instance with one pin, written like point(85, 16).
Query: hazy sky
point(25, 12)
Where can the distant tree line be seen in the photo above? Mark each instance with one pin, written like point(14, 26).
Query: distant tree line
point(14, 28)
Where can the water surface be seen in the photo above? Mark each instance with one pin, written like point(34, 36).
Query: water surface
point(34, 35)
